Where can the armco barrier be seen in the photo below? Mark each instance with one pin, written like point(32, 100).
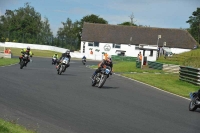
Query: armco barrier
point(138, 64)
point(155, 65)
point(190, 74)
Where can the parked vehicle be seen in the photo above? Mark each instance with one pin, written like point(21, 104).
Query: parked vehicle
point(100, 78)
point(63, 65)
point(84, 61)
point(24, 60)
point(195, 101)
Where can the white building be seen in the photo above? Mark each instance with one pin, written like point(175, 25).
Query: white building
point(130, 40)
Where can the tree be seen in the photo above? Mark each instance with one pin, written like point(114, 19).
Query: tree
point(45, 34)
point(128, 24)
point(93, 19)
point(194, 22)
point(24, 25)
point(68, 34)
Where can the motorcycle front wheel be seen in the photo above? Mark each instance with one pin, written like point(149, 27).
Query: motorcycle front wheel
point(102, 81)
point(21, 64)
point(60, 70)
point(192, 106)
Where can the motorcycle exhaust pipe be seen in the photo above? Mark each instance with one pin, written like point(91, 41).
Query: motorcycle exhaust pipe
point(197, 102)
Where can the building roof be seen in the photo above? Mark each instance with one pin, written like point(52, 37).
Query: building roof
point(118, 34)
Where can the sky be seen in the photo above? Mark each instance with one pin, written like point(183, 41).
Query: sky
point(153, 13)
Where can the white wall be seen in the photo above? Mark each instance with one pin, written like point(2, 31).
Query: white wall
point(51, 48)
point(33, 46)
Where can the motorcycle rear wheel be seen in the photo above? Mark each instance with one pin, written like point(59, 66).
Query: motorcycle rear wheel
point(192, 107)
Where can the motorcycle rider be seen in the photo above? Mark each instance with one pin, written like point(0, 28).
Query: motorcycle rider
point(104, 62)
point(28, 51)
point(84, 58)
point(198, 93)
point(55, 56)
point(66, 54)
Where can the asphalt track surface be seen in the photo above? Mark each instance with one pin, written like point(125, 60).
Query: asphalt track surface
point(41, 100)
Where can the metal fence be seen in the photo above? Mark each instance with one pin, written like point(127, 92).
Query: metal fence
point(190, 74)
point(155, 65)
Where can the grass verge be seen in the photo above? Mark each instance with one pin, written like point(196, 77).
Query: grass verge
point(169, 82)
point(8, 61)
point(36, 52)
point(11, 127)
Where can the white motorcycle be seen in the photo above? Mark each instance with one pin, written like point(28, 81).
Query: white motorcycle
point(63, 65)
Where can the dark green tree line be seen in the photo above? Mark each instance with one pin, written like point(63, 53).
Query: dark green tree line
point(194, 22)
point(69, 35)
point(24, 25)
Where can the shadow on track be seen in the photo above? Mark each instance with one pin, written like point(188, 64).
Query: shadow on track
point(108, 87)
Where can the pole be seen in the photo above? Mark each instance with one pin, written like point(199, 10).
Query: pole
point(159, 36)
point(198, 32)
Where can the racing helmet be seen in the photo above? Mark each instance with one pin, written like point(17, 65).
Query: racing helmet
point(67, 52)
point(108, 60)
point(28, 48)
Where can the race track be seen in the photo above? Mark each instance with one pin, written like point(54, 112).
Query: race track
point(41, 100)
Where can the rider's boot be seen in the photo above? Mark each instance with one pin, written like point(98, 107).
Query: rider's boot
point(93, 75)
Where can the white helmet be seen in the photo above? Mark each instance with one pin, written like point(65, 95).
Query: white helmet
point(28, 48)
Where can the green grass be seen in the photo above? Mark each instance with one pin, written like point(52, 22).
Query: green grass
point(125, 66)
point(168, 82)
point(12, 127)
point(190, 58)
point(37, 53)
point(8, 61)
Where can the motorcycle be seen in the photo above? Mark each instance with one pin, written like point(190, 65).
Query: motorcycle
point(63, 65)
point(83, 61)
point(100, 78)
point(195, 101)
point(54, 61)
point(24, 60)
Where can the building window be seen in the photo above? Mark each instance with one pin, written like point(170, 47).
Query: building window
point(117, 46)
point(136, 46)
point(151, 53)
point(90, 44)
point(96, 44)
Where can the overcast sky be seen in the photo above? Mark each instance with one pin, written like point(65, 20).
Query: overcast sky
point(153, 13)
